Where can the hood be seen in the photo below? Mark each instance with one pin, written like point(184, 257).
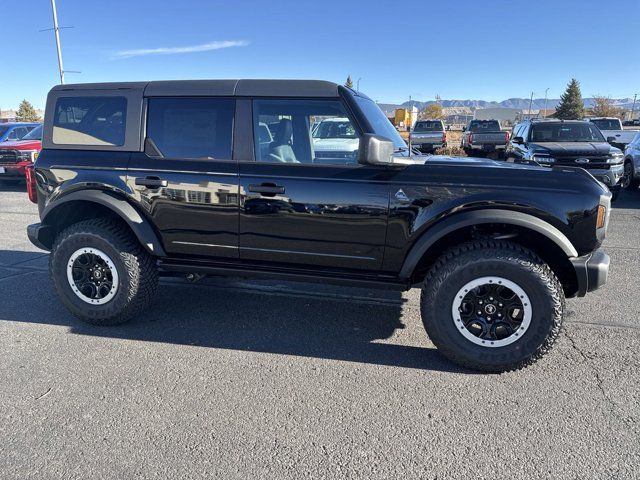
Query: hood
point(21, 145)
point(573, 148)
point(463, 161)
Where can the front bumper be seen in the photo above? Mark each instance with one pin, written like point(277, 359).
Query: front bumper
point(610, 177)
point(13, 170)
point(40, 235)
point(592, 271)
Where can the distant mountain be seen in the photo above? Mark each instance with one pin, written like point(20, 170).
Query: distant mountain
point(519, 103)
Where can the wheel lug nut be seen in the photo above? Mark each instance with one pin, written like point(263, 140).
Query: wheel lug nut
point(491, 298)
point(479, 312)
point(480, 302)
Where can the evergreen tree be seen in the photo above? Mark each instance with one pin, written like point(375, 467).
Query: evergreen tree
point(349, 82)
point(26, 112)
point(571, 106)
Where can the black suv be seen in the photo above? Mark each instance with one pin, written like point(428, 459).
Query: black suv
point(138, 180)
point(567, 142)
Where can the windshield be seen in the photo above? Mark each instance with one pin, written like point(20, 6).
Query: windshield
point(479, 126)
point(379, 122)
point(607, 124)
point(428, 127)
point(35, 134)
point(565, 132)
point(338, 128)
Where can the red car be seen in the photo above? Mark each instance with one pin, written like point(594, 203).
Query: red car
point(17, 154)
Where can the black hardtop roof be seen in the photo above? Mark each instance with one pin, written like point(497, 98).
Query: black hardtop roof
point(256, 88)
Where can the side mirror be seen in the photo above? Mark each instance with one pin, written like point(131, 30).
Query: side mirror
point(464, 129)
point(611, 139)
point(518, 140)
point(375, 150)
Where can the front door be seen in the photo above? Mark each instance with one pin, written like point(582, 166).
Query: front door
point(305, 199)
point(186, 180)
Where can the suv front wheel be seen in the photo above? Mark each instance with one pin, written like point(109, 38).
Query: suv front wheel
point(492, 306)
point(101, 272)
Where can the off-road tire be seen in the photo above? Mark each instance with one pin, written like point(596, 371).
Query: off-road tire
point(469, 261)
point(137, 272)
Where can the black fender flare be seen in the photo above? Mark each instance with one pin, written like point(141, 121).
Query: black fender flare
point(477, 217)
point(127, 212)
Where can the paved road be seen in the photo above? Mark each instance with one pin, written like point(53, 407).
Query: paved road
point(271, 380)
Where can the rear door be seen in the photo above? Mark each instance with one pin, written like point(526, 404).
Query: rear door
point(304, 199)
point(186, 179)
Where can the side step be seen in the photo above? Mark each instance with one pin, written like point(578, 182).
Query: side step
point(384, 282)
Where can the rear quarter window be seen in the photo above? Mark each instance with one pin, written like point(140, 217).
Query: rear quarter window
point(92, 121)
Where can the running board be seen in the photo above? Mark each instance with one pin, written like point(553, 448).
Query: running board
point(243, 272)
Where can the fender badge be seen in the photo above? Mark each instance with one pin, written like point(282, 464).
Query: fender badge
point(400, 195)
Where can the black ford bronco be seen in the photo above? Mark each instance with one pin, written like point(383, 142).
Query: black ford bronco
point(225, 177)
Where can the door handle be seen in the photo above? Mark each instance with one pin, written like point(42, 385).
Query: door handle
point(151, 182)
point(267, 189)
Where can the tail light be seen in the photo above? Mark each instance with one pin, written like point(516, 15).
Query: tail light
point(444, 137)
point(471, 138)
point(507, 136)
point(31, 183)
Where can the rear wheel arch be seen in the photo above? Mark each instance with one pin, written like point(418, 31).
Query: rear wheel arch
point(84, 205)
point(531, 232)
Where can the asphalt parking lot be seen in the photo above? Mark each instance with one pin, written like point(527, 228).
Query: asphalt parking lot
point(272, 380)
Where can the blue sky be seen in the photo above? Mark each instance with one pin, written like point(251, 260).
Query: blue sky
point(481, 49)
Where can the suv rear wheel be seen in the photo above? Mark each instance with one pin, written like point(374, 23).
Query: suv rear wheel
point(101, 272)
point(629, 181)
point(492, 306)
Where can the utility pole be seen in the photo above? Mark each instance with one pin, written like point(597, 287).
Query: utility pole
point(545, 103)
point(56, 31)
point(633, 106)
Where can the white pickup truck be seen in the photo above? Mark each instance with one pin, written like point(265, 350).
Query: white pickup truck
point(612, 130)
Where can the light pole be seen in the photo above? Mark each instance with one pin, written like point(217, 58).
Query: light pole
point(633, 106)
point(358, 84)
point(56, 31)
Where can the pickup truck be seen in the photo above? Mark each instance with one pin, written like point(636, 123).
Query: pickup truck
point(428, 135)
point(17, 155)
point(484, 137)
point(612, 130)
point(168, 178)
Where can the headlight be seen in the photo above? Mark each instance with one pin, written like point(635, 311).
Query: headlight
point(615, 157)
point(543, 158)
point(30, 155)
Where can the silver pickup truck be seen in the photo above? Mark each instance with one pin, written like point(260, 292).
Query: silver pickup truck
point(484, 137)
point(428, 135)
point(612, 130)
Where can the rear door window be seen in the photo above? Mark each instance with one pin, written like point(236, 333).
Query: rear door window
point(95, 121)
point(191, 127)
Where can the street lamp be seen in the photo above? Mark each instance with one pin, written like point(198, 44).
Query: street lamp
point(358, 84)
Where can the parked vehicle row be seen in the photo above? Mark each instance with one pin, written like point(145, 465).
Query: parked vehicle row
point(574, 143)
point(227, 178)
